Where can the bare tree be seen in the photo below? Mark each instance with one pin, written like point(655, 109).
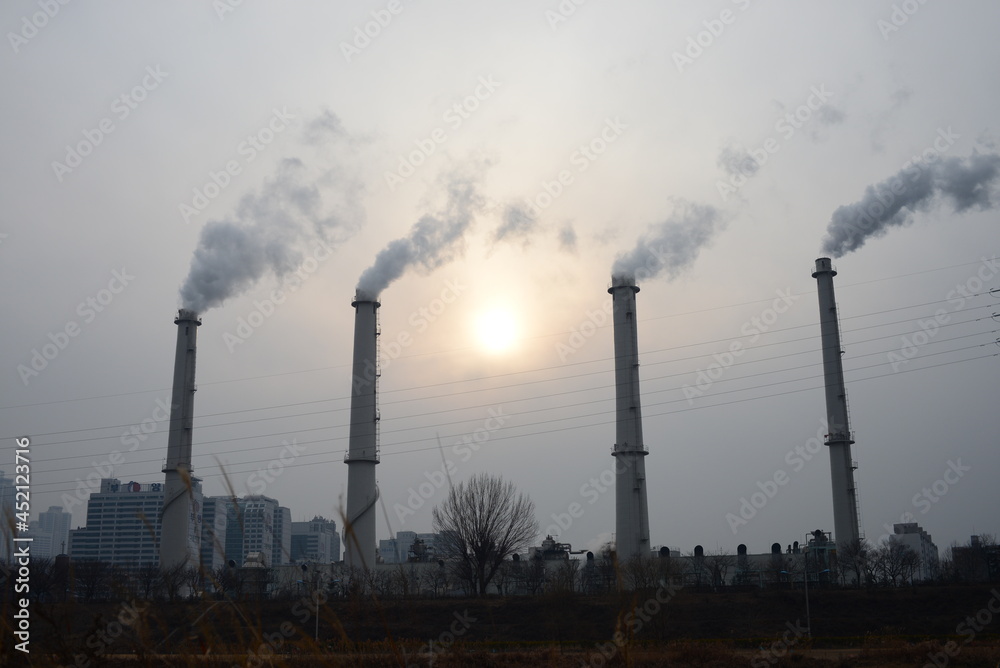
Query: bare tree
point(910, 563)
point(91, 580)
point(892, 561)
point(851, 560)
point(42, 578)
point(503, 577)
point(533, 575)
point(640, 572)
point(718, 564)
point(173, 579)
point(148, 579)
point(483, 521)
point(566, 576)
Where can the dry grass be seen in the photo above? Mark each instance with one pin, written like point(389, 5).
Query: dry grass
point(509, 632)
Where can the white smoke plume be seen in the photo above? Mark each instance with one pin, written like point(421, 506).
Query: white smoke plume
point(969, 183)
point(670, 246)
point(433, 240)
point(567, 238)
point(272, 228)
point(519, 221)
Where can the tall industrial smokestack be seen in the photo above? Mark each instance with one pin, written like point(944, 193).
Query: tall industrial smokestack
point(839, 440)
point(179, 529)
point(631, 512)
point(362, 455)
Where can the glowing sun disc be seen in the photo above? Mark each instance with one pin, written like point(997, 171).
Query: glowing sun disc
point(497, 330)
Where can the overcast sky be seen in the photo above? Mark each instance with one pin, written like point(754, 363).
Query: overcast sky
point(543, 143)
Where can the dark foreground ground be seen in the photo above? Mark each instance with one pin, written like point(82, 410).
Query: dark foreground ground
point(903, 627)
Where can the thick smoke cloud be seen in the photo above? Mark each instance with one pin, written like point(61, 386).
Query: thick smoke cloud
point(519, 222)
point(272, 229)
point(734, 159)
point(670, 246)
point(567, 238)
point(967, 182)
point(433, 240)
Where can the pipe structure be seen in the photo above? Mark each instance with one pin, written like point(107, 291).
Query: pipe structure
point(631, 510)
point(179, 529)
point(362, 455)
point(839, 440)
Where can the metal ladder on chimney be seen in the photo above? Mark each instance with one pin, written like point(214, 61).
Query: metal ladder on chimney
point(378, 374)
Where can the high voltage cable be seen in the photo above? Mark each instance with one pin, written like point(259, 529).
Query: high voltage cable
point(448, 395)
point(521, 384)
point(579, 426)
point(766, 300)
point(520, 413)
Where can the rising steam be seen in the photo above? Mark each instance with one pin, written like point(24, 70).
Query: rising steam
point(432, 241)
point(272, 229)
point(672, 245)
point(966, 182)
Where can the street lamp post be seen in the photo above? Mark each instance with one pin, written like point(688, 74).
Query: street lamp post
point(805, 570)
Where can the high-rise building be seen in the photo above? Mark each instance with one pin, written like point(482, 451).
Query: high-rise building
point(282, 552)
point(214, 515)
point(911, 535)
point(258, 524)
point(56, 522)
point(41, 541)
point(50, 533)
point(399, 550)
point(316, 540)
point(123, 523)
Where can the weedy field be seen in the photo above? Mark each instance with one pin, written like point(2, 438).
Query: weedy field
point(936, 626)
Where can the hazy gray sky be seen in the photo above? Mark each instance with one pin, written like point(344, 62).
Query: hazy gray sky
point(544, 140)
